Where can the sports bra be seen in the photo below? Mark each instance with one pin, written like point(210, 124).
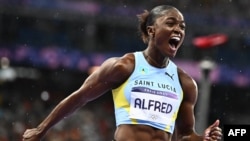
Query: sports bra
point(150, 96)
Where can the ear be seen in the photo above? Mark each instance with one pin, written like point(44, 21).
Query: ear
point(151, 31)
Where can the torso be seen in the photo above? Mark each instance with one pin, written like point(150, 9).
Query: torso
point(140, 133)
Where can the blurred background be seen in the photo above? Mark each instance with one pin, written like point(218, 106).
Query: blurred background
point(49, 47)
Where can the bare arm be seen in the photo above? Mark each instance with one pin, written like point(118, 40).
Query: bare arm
point(186, 120)
point(112, 73)
point(185, 130)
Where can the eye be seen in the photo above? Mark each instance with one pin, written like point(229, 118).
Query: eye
point(170, 24)
point(183, 26)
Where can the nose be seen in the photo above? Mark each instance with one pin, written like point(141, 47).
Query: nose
point(177, 29)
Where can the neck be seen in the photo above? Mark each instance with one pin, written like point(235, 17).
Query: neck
point(154, 61)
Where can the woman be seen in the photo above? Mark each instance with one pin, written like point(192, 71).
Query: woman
point(154, 99)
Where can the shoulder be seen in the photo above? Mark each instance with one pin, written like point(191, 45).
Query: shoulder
point(123, 64)
point(116, 70)
point(186, 79)
point(188, 84)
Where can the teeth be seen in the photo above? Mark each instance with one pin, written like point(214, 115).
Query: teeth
point(176, 38)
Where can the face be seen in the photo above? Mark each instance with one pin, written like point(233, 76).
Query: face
point(168, 32)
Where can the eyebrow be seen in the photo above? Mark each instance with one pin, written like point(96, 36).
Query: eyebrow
point(173, 18)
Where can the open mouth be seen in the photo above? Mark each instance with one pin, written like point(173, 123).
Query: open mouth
point(174, 41)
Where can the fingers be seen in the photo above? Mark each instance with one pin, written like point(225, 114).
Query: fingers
point(215, 134)
point(30, 135)
point(216, 123)
point(216, 131)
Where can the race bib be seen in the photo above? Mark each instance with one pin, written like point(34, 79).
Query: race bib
point(153, 105)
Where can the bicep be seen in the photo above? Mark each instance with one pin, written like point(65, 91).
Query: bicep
point(185, 121)
point(110, 74)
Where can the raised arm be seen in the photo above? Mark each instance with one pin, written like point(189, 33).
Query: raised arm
point(110, 74)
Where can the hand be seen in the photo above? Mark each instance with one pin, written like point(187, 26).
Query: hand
point(213, 132)
point(32, 135)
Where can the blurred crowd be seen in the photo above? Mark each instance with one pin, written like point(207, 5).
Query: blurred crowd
point(109, 26)
point(92, 123)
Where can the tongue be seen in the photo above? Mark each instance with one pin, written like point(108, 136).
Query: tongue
point(172, 45)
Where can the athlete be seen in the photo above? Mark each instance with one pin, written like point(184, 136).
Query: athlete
point(153, 98)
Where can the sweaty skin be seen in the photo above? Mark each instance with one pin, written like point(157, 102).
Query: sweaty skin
point(114, 71)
